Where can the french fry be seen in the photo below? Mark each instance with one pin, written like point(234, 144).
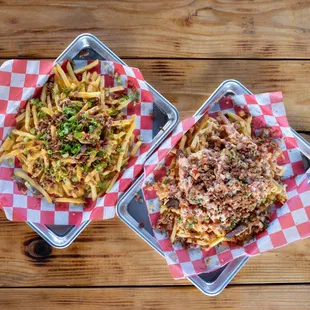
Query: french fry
point(79, 173)
point(124, 145)
point(88, 77)
point(7, 144)
point(58, 79)
point(88, 67)
point(182, 143)
point(20, 117)
point(102, 82)
point(96, 83)
point(88, 95)
point(94, 76)
point(43, 94)
point(71, 73)
point(23, 134)
point(123, 104)
point(70, 200)
point(102, 99)
point(24, 176)
point(135, 149)
point(115, 89)
point(122, 122)
point(53, 132)
point(174, 231)
point(93, 192)
point(47, 111)
point(63, 76)
point(27, 117)
point(35, 117)
point(9, 155)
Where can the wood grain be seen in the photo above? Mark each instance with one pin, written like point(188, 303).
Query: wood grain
point(237, 297)
point(110, 254)
point(188, 83)
point(182, 29)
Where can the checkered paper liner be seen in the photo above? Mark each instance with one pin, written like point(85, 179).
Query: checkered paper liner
point(289, 222)
point(21, 80)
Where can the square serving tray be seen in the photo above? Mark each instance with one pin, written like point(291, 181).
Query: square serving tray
point(133, 212)
point(166, 117)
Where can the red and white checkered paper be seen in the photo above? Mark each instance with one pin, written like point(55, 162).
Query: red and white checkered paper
point(289, 222)
point(21, 80)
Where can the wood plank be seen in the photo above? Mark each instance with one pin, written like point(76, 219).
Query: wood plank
point(186, 28)
point(236, 297)
point(188, 83)
point(108, 253)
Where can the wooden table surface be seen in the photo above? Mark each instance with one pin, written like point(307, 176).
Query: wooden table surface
point(185, 49)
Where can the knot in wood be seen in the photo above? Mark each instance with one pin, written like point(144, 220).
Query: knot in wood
point(38, 248)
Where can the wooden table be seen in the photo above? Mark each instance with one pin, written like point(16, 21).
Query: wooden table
point(185, 49)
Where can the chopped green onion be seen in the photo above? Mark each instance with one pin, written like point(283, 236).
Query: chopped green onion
point(190, 225)
point(78, 134)
point(134, 95)
point(76, 148)
point(27, 184)
point(74, 179)
point(26, 139)
point(112, 112)
point(101, 185)
point(66, 91)
point(41, 114)
point(123, 99)
point(36, 102)
point(32, 131)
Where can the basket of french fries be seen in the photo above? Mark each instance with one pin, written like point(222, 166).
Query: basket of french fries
point(71, 138)
point(228, 182)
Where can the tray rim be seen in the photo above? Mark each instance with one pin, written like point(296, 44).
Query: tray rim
point(74, 231)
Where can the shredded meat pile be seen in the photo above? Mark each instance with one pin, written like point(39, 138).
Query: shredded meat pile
point(223, 189)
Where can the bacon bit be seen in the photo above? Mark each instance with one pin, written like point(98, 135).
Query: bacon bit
point(207, 261)
point(83, 53)
point(141, 225)
point(241, 113)
point(22, 187)
point(138, 198)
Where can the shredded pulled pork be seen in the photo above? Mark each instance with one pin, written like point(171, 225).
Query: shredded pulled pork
point(222, 188)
